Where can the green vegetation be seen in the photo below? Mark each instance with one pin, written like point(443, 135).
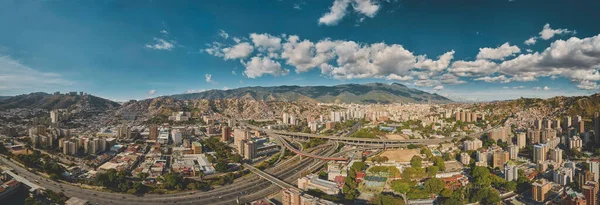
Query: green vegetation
point(261, 123)
point(48, 197)
point(386, 199)
point(391, 170)
point(416, 162)
point(372, 133)
point(350, 186)
point(41, 162)
point(379, 159)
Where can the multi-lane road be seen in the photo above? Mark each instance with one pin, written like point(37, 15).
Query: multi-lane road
point(247, 188)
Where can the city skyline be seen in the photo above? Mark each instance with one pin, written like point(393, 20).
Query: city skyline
point(464, 50)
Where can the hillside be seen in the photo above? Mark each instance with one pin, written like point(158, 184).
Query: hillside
point(58, 101)
point(346, 93)
point(4, 97)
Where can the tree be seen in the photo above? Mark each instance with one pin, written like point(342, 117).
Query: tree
point(510, 186)
point(439, 162)
point(359, 166)
point(221, 166)
point(3, 149)
point(434, 185)
point(446, 192)
point(143, 175)
point(481, 176)
point(384, 199)
point(432, 170)
point(400, 187)
point(416, 162)
point(426, 152)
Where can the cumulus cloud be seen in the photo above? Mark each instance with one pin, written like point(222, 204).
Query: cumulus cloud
point(500, 79)
point(164, 32)
point(399, 78)
point(259, 66)
point(505, 50)
point(266, 42)
point(531, 41)
point(451, 79)
point(161, 44)
point(548, 33)
point(439, 87)
point(588, 85)
point(426, 83)
point(241, 51)
point(473, 68)
point(439, 65)
point(208, 78)
point(339, 9)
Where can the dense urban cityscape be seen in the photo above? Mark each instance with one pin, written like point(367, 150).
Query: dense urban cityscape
point(300, 102)
point(521, 152)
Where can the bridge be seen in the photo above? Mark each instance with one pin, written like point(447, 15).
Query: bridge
point(294, 150)
point(33, 188)
point(280, 183)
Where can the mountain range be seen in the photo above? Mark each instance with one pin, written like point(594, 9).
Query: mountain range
point(345, 93)
point(57, 101)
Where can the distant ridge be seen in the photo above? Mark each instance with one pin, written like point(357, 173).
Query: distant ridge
point(57, 101)
point(345, 93)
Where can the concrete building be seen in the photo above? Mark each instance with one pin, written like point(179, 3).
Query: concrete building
point(290, 197)
point(249, 150)
point(590, 191)
point(563, 176)
point(566, 123)
point(153, 132)
point(556, 155)
point(513, 151)
point(521, 140)
point(500, 158)
point(225, 134)
point(177, 137)
point(511, 172)
point(539, 190)
point(575, 143)
point(539, 153)
point(312, 181)
point(465, 159)
point(54, 116)
point(197, 148)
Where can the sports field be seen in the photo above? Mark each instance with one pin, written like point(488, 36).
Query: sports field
point(403, 155)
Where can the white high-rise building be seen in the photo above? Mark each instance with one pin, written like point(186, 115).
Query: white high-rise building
point(511, 172)
point(595, 168)
point(465, 159)
point(539, 153)
point(177, 137)
point(54, 116)
point(556, 155)
point(563, 176)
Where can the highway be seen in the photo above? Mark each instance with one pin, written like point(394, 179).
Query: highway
point(243, 186)
point(288, 146)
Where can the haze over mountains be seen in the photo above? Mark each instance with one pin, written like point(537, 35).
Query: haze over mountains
point(345, 93)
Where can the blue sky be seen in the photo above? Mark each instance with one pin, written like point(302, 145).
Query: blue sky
point(464, 49)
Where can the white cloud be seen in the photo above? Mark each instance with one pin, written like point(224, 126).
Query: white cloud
point(17, 78)
point(531, 41)
point(266, 42)
point(339, 9)
point(236, 39)
point(548, 33)
point(208, 78)
point(195, 91)
point(505, 50)
point(161, 44)
point(588, 85)
point(367, 7)
point(225, 88)
point(223, 34)
point(233, 72)
point(151, 93)
point(304, 55)
point(399, 78)
point(537, 88)
point(496, 79)
point(449, 78)
point(529, 50)
point(258, 67)
point(439, 65)
point(241, 51)
point(439, 87)
point(546, 88)
point(164, 32)
point(426, 83)
point(473, 68)
point(518, 87)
